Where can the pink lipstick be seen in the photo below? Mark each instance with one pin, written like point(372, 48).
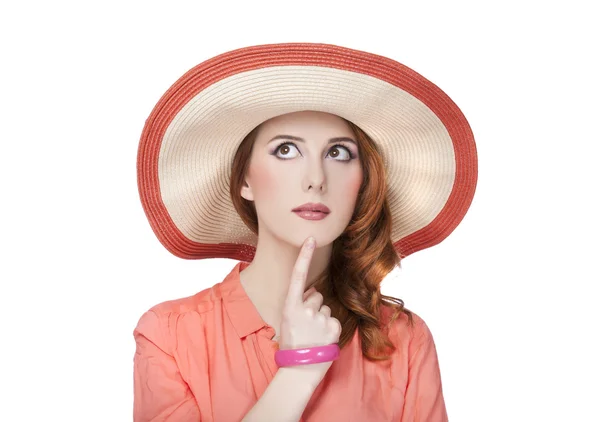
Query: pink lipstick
point(311, 215)
point(312, 211)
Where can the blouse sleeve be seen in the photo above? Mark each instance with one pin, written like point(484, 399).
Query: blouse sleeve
point(160, 393)
point(424, 400)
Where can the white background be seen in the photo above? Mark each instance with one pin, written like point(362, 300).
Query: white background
point(509, 296)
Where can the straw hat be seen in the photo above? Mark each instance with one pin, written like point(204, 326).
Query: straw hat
point(190, 138)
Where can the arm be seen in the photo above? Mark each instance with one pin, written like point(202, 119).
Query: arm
point(290, 390)
point(160, 393)
point(287, 395)
point(424, 400)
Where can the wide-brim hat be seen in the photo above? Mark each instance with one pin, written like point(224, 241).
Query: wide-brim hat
point(190, 138)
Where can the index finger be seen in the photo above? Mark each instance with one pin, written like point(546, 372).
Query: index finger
point(298, 282)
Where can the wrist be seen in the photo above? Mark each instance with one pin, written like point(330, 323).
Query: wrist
point(311, 374)
point(307, 355)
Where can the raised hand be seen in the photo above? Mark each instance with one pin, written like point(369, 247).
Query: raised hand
point(305, 321)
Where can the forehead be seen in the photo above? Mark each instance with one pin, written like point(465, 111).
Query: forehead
point(311, 125)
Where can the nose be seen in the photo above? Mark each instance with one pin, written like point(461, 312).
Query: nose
point(315, 177)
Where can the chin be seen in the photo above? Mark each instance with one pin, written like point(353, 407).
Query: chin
point(325, 234)
point(323, 239)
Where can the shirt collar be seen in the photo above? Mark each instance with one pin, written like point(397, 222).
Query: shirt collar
point(241, 311)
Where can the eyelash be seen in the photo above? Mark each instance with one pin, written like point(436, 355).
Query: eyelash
point(352, 156)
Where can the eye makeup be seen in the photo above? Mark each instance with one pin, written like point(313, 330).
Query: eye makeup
point(338, 145)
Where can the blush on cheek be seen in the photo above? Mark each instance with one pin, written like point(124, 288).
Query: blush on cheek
point(266, 185)
point(355, 183)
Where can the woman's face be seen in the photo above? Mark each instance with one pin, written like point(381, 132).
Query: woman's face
point(314, 166)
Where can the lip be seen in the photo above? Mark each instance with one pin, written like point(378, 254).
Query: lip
point(311, 215)
point(312, 206)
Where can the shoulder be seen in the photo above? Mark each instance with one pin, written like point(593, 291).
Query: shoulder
point(405, 328)
point(165, 316)
point(161, 323)
point(203, 301)
point(189, 312)
point(200, 302)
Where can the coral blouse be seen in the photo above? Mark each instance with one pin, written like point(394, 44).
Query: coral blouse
point(209, 357)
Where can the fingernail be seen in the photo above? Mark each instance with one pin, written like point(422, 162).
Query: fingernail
point(311, 242)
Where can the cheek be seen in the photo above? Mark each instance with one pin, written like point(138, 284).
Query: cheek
point(353, 183)
point(356, 182)
point(266, 187)
point(345, 187)
point(352, 189)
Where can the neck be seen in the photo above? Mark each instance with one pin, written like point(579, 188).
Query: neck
point(267, 278)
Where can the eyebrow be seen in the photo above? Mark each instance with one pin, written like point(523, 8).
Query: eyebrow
point(296, 138)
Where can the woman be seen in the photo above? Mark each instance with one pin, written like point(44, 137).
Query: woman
point(390, 161)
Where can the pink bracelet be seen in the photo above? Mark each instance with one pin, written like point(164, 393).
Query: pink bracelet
point(308, 355)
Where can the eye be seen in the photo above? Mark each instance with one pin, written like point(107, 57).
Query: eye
point(340, 147)
point(284, 148)
point(334, 151)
